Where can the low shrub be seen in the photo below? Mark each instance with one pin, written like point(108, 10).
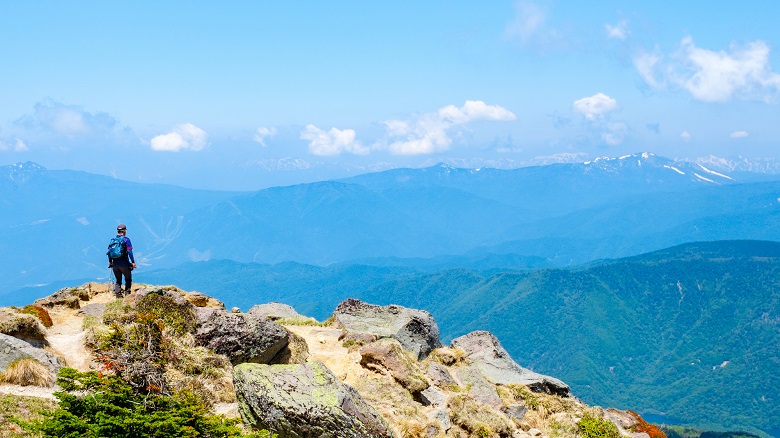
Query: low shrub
point(644, 426)
point(92, 405)
point(16, 409)
point(593, 427)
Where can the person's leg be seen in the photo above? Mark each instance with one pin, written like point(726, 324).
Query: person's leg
point(128, 279)
point(118, 283)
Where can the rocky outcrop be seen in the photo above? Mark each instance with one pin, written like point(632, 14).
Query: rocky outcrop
point(12, 349)
point(485, 353)
point(388, 355)
point(303, 401)
point(68, 297)
point(414, 329)
point(22, 326)
point(239, 336)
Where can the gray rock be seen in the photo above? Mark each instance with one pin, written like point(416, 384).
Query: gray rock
point(275, 311)
point(482, 390)
point(12, 349)
point(534, 432)
point(414, 329)
point(387, 354)
point(439, 375)
point(433, 396)
point(304, 400)
point(516, 411)
point(486, 353)
point(239, 336)
point(93, 309)
point(442, 416)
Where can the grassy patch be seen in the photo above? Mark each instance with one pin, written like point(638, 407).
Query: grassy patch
point(27, 372)
point(21, 408)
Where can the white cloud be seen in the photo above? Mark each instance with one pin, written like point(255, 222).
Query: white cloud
point(184, 136)
point(618, 31)
point(595, 106)
point(332, 142)
point(742, 72)
point(263, 133)
point(429, 133)
point(739, 134)
point(685, 135)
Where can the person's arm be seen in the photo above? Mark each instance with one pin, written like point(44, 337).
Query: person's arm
point(130, 251)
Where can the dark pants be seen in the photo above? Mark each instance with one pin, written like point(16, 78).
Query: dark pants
point(127, 272)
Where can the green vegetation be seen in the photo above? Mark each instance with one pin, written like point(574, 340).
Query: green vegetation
point(92, 405)
point(593, 427)
point(15, 409)
point(40, 313)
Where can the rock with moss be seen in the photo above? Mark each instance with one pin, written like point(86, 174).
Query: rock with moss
point(22, 326)
point(239, 336)
point(483, 391)
point(13, 349)
point(387, 354)
point(415, 329)
point(485, 352)
point(304, 400)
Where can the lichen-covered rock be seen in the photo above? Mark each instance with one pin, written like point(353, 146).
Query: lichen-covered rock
point(388, 354)
point(485, 352)
point(239, 336)
point(416, 330)
point(303, 401)
point(296, 350)
point(483, 391)
point(13, 349)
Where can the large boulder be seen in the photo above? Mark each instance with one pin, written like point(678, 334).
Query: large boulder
point(275, 311)
point(416, 330)
point(67, 297)
point(12, 349)
point(239, 336)
point(387, 355)
point(303, 400)
point(485, 353)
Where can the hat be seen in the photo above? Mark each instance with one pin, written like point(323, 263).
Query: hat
point(121, 227)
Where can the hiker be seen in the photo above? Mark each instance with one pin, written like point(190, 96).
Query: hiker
point(121, 260)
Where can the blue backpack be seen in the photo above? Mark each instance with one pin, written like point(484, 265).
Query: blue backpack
point(117, 247)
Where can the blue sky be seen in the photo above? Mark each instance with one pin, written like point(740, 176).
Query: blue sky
point(245, 94)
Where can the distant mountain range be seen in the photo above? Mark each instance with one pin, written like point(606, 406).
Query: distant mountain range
point(688, 334)
point(58, 222)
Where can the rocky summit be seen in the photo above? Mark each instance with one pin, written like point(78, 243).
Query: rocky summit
point(368, 371)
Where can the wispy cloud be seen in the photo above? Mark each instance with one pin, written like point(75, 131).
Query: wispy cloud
point(742, 72)
point(530, 26)
point(685, 136)
point(17, 145)
point(739, 134)
point(332, 142)
point(615, 133)
point(185, 136)
point(595, 106)
point(618, 31)
point(430, 133)
point(264, 133)
point(52, 117)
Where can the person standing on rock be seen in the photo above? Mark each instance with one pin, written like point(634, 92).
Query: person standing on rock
point(121, 260)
